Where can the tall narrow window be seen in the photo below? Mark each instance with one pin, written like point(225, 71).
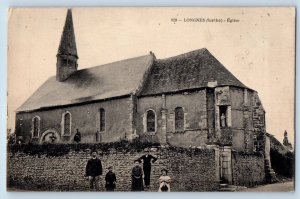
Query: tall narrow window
point(102, 119)
point(150, 121)
point(35, 127)
point(179, 119)
point(67, 123)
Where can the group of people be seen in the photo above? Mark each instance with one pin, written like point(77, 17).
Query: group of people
point(140, 175)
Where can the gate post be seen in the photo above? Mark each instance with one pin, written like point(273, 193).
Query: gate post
point(216, 149)
point(226, 164)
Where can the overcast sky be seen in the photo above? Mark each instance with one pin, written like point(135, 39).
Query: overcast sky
point(259, 49)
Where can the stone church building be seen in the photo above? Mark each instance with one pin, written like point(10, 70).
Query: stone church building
point(186, 100)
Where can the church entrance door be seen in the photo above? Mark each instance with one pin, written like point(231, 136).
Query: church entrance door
point(50, 136)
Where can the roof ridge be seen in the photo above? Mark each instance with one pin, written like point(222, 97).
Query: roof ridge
point(90, 84)
point(197, 51)
point(92, 67)
point(114, 62)
point(193, 69)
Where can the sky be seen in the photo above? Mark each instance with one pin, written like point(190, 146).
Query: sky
point(258, 48)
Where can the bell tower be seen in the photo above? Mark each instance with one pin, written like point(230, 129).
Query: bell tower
point(67, 56)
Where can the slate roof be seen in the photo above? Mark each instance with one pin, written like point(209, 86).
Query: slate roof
point(276, 145)
point(67, 45)
point(145, 75)
point(187, 71)
point(100, 82)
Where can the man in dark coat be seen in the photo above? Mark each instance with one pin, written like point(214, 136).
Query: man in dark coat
point(147, 160)
point(77, 137)
point(110, 180)
point(93, 171)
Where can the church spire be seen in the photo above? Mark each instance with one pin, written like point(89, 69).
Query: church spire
point(67, 56)
point(67, 44)
point(286, 141)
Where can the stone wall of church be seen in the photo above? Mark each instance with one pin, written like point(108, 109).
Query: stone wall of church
point(194, 105)
point(259, 125)
point(85, 118)
point(143, 105)
point(188, 138)
point(248, 169)
point(242, 119)
point(237, 110)
point(42, 172)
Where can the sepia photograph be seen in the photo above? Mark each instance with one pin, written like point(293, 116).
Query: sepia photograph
point(151, 99)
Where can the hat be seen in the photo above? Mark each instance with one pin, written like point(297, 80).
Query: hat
point(164, 169)
point(137, 160)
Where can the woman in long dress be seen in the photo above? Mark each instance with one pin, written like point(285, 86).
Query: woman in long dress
point(137, 177)
point(164, 181)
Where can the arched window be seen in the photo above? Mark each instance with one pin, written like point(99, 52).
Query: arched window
point(179, 119)
point(102, 119)
point(150, 121)
point(66, 124)
point(35, 127)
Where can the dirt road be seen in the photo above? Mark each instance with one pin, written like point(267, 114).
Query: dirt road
point(277, 187)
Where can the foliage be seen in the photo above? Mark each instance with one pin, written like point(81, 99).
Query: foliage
point(282, 164)
point(244, 153)
point(62, 149)
point(11, 139)
point(123, 146)
point(190, 151)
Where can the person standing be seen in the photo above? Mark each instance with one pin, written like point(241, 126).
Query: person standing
point(110, 180)
point(77, 137)
point(164, 181)
point(93, 171)
point(147, 160)
point(137, 177)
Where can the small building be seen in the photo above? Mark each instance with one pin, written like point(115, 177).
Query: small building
point(186, 100)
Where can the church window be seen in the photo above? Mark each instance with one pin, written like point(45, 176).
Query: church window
point(102, 119)
point(66, 123)
point(35, 127)
point(179, 119)
point(150, 121)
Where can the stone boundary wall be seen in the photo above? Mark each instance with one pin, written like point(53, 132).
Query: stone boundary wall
point(190, 170)
point(248, 169)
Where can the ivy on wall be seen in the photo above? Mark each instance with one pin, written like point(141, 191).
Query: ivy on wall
point(62, 149)
point(121, 146)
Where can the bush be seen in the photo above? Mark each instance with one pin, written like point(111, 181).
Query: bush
point(11, 139)
point(62, 149)
point(283, 164)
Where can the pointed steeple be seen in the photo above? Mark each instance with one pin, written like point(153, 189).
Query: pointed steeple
point(67, 56)
point(67, 44)
point(286, 141)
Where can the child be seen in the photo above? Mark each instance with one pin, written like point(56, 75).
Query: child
point(164, 181)
point(110, 180)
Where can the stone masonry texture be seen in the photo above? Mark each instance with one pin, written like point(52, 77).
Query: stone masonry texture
point(189, 170)
point(248, 169)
